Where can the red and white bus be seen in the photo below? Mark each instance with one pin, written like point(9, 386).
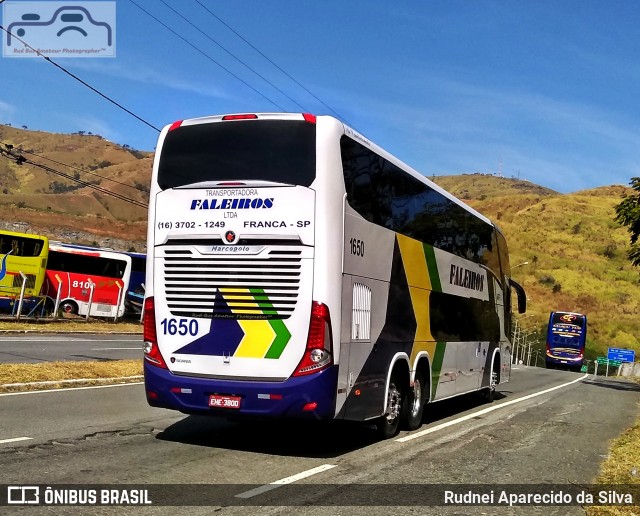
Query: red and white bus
point(87, 281)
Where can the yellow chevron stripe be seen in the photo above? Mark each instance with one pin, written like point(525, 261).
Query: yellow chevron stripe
point(429, 347)
point(258, 334)
point(415, 267)
point(258, 337)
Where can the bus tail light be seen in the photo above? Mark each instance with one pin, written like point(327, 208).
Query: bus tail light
point(309, 118)
point(175, 125)
point(240, 117)
point(317, 355)
point(151, 350)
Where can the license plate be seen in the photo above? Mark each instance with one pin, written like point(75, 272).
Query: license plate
point(221, 401)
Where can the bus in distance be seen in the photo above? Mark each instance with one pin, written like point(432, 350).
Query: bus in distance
point(295, 269)
point(88, 281)
point(566, 340)
point(21, 253)
point(135, 293)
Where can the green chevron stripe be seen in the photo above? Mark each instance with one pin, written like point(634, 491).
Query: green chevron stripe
point(278, 327)
point(436, 367)
point(432, 265)
point(281, 340)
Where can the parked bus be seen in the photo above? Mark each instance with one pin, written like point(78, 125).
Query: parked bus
point(21, 253)
point(296, 269)
point(135, 293)
point(87, 280)
point(566, 340)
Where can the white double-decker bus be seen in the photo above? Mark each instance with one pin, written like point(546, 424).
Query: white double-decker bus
point(296, 269)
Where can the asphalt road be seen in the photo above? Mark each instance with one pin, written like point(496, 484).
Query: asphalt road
point(547, 427)
point(36, 348)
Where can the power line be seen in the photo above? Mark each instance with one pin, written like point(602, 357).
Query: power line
point(234, 56)
point(19, 159)
point(207, 56)
point(75, 168)
point(268, 59)
point(80, 80)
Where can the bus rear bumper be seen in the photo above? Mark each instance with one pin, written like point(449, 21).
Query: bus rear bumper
point(306, 397)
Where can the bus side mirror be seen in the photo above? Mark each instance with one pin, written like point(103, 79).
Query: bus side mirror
point(522, 296)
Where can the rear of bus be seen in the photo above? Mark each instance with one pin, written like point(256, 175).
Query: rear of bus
point(566, 338)
point(233, 325)
point(23, 260)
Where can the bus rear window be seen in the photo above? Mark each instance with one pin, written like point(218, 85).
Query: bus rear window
point(565, 318)
point(282, 151)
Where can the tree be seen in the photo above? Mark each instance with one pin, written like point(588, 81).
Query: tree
point(628, 214)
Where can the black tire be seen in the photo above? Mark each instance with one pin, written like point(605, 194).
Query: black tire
point(49, 305)
point(388, 425)
point(413, 404)
point(489, 393)
point(69, 307)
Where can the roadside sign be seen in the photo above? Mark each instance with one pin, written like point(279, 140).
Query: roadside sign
point(621, 354)
point(605, 360)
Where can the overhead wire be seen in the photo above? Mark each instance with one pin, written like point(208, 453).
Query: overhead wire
point(106, 97)
point(234, 56)
point(19, 159)
point(72, 167)
point(270, 60)
point(178, 35)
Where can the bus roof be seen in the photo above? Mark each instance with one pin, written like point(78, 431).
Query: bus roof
point(348, 131)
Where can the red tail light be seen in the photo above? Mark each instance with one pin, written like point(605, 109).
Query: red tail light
point(175, 125)
point(317, 356)
point(151, 350)
point(309, 118)
point(240, 117)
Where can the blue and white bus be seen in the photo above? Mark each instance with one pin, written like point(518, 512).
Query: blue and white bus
point(296, 269)
point(134, 296)
point(566, 340)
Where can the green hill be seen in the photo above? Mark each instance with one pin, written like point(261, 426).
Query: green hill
point(576, 254)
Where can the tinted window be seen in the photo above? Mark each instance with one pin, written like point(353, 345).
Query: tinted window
point(84, 264)
point(455, 318)
point(388, 196)
point(565, 318)
point(21, 246)
point(282, 151)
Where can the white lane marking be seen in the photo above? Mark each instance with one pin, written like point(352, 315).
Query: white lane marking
point(15, 440)
point(285, 481)
point(71, 388)
point(485, 411)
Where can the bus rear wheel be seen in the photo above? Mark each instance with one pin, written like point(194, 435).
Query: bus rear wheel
point(413, 404)
point(389, 424)
point(69, 307)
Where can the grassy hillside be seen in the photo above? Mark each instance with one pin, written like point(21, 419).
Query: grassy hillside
point(60, 207)
point(576, 252)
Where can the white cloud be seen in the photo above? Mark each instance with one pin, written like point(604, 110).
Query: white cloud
point(95, 126)
point(148, 75)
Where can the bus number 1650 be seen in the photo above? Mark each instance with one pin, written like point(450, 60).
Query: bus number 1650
point(179, 327)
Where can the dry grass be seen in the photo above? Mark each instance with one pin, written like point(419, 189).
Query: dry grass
point(70, 326)
point(622, 467)
point(92, 372)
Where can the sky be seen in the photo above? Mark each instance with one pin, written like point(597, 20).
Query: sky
point(546, 91)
